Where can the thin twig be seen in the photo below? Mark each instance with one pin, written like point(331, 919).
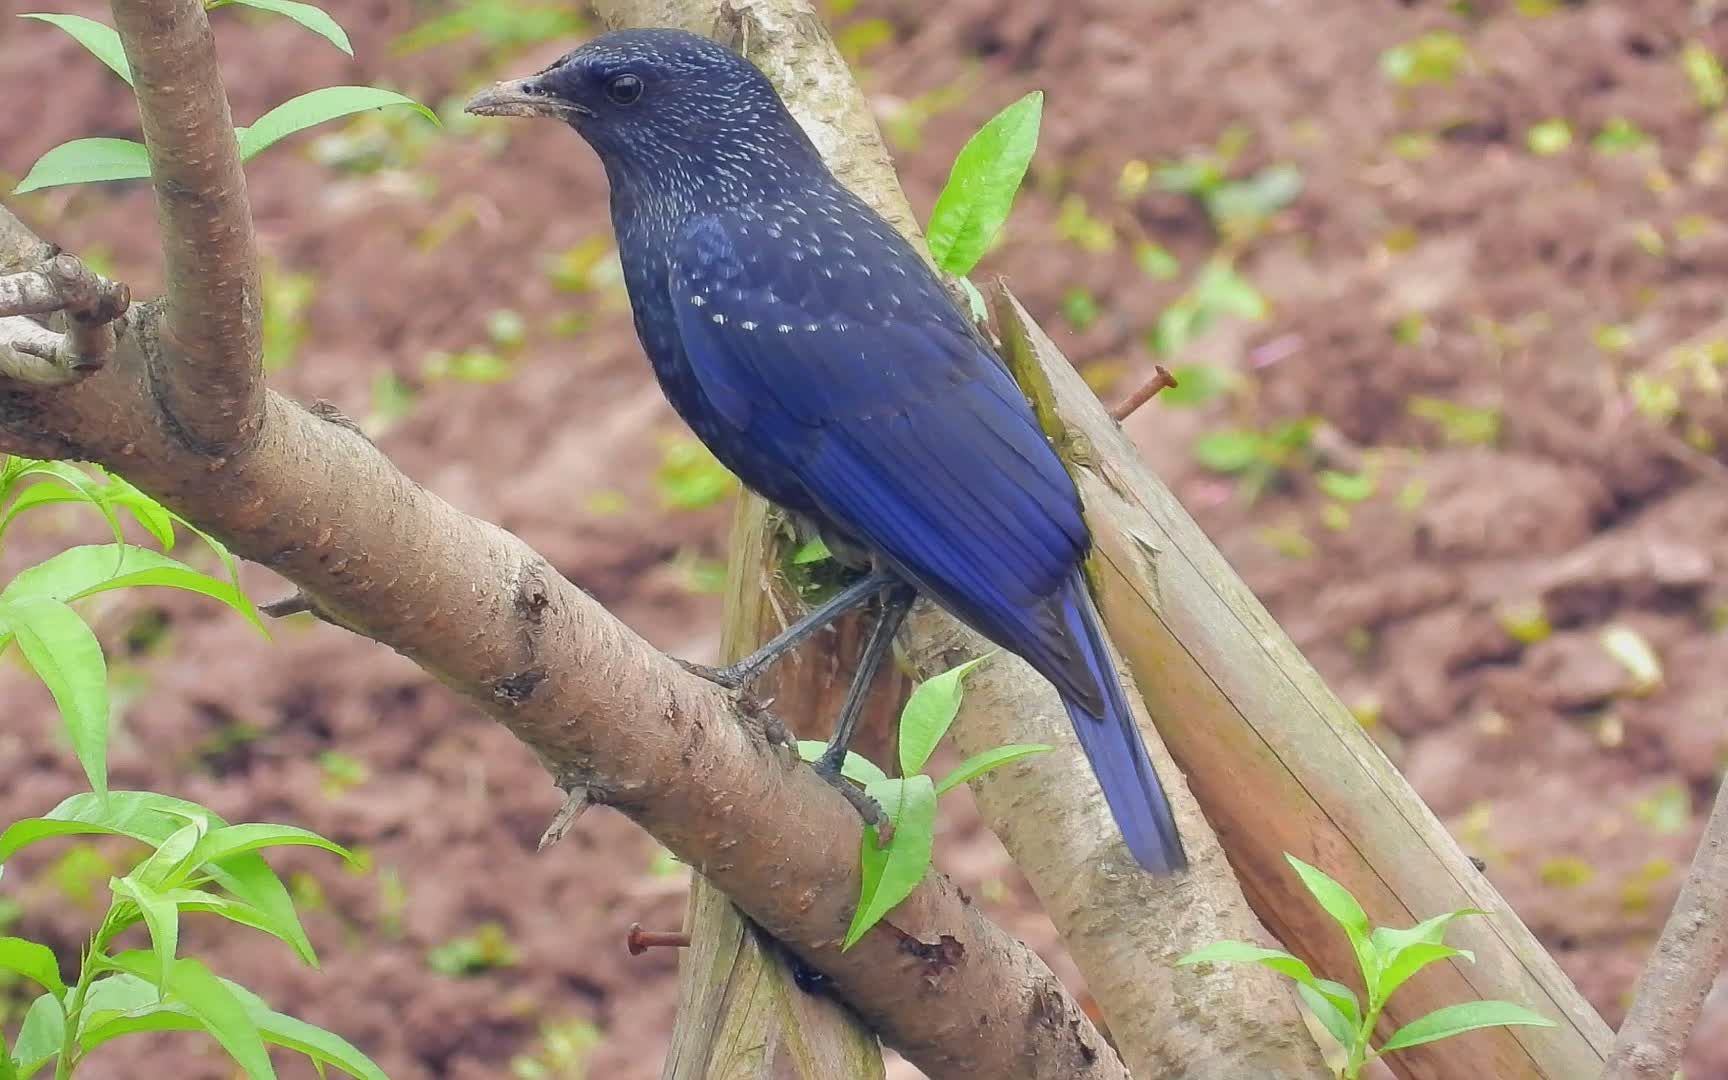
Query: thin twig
point(1161, 380)
point(576, 801)
point(1684, 966)
point(33, 353)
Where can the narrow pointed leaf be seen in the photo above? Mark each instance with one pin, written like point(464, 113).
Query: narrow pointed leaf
point(1412, 959)
point(1335, 1022)
point(66, 656)
point(239, 839)
point(89, 569)
point(161, 918)
point(312, 18)
point(1457, 1019)
point(982, 185)
point(311, 109)
point(84, 161)
point(1337, 902)
point(214, 1004)
point(979, 764)
point(929, 712)
point(891, 873)
point(1242, 952)
point(99, 38)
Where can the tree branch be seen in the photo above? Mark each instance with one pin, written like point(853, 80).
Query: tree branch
point(1279, 765)
point(1684, 966)
point(207, 361)
point(89, 305)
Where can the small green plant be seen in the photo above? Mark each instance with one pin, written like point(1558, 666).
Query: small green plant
point(1258, 459)
point(1436, 57)
point(1387, 960)
point(87, 160)
point(894, 869)
point(1240, 208)
point(195, 862)
point(1218, 292)
point(488, 948)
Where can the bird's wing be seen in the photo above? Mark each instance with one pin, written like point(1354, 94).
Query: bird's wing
point(895, 419)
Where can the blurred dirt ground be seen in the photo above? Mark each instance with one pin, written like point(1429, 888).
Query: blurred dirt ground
point(1520, 347)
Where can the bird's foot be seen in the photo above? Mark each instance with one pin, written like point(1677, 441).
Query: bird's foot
point(828, 768)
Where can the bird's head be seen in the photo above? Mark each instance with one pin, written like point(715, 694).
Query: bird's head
point(647, 99)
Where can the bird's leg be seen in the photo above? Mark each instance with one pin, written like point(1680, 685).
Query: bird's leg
point(894, 608)
point(855, 595)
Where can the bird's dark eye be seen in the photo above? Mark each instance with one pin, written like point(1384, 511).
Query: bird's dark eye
point(624, 89)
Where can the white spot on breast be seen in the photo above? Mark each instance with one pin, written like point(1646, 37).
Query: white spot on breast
point(783, 328)
point(719, 319)
point(698, 299)
point(813, 327)
point(747, 325)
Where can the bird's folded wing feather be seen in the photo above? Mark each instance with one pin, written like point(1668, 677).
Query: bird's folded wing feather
point(897, 421)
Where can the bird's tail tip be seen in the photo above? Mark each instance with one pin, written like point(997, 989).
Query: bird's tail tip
point(1118, 756)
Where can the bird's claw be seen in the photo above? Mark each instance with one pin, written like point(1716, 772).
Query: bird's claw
point(868, 808)
point(728, 677)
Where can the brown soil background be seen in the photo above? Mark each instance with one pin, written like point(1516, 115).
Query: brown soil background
point(1582, 794)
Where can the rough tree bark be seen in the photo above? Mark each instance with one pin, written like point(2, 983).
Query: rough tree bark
point(179, 410)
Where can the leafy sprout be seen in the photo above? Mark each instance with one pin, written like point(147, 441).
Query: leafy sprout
point(1386, 959)
point(892, 870)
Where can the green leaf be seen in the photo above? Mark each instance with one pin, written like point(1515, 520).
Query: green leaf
point(162, 919)
point(1342, 998)
point(856, 767)
point(66, 656)
point(235, 911)
point(238, 839)
point(1336, 1023)
point(1410, 960)
point(308, 110)
point(171, 860)
point(32, 960)
point(982, 185)
point(1228, 451)
point(312, 18)
point(150, 818)
point(1456, 1019)
point(979, 764)
point(77, 481)
point(1242, 952)
point(84, 161)
point(214, 1004)
point(101, 40)
point(1337, 902)
point(123, 1004)
point(891, 873)
point(811, 551)
point(93, 568)
point(40, 1038)
point(929, 712)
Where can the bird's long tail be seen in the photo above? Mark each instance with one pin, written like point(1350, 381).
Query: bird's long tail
point(1113, 745)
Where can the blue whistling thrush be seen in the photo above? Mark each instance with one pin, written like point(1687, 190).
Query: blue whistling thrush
point(807, 344)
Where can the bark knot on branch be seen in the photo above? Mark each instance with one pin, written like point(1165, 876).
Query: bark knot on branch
point(86, 304)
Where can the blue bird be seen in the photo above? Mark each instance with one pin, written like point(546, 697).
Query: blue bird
point(810, 348)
